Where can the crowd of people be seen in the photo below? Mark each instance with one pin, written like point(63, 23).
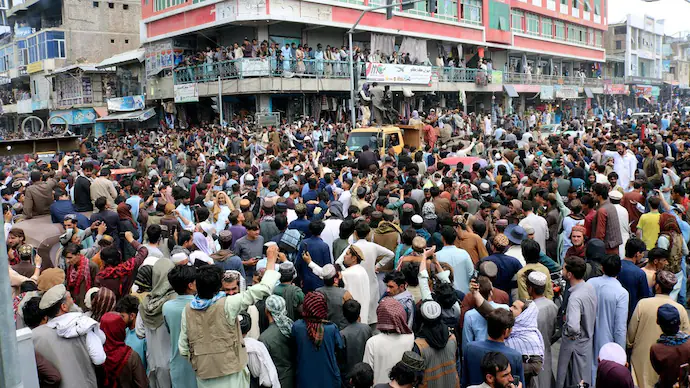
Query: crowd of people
point(274, 257)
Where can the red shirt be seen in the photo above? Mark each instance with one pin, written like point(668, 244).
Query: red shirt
point(589, 219)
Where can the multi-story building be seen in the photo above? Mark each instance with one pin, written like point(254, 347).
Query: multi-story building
point(634, 52)
point(676, 63)
point(551, 47)
point(47, 61)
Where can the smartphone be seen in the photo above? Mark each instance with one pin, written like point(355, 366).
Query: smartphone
point(516, 380)
point(684, 375)
point(475, 275)
point(171, 230)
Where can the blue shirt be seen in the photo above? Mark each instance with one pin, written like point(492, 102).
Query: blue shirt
point(472, 361)
point(137, 344)
point(634, 280)
point(508, 266)
point(186, 212)
point(320, 254)
point(475, 327)
point(181, 371)
point(462, 265)
point(317, 368)
point(301, 224)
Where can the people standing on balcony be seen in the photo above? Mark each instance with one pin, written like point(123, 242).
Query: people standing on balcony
point(255, 48)
point(246, 49)
point(299, 57)
point(319, 56)
point(286, 53)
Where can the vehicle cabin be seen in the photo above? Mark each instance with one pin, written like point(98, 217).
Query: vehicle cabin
point(383, 138)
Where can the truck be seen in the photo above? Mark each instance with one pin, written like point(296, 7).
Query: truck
point(383, 138)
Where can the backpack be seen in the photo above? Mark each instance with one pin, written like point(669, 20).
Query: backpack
point(676, 253)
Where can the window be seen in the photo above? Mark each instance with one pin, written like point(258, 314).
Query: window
point(620, 30)
point(112, 40)
point(598, 38)
point(532, 24)
point(619, 45)
point(126, 41)
point(597, 7)
point(48, 44)
point(585, 6)
point(560, 30)
point(160, 5)
point(564, 3)
point(447, 10)
point(95, 4)
point(111, 5)
point(472, 10)
point(23, 57)
point(517, 18)
point(575, 4)
point(546, 27)
point(125, 6)
point(33, 50)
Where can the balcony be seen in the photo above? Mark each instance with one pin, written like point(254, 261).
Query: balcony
point(261, 67)
point(525, 79)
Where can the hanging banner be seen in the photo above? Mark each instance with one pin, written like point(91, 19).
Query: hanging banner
point(161, 56)
point(398, 74)
point(644, 91)
point(126, 104)
point(616, 89)
point(546, 92)
point(496, 77)
point(255, 67)
point(566, 92)
point(186, 93)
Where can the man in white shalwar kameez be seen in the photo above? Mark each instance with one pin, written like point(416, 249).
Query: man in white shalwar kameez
point(355, 278)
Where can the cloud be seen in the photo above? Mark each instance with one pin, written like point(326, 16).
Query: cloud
point(674, 12)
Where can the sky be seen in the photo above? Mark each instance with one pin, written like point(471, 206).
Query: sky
point(674, 12)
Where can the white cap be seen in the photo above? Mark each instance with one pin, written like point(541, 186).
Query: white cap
point(249, 177)
point(537, 278)
point(431, 310)
point(417, 219)
point(200, 256)
point(615, 195)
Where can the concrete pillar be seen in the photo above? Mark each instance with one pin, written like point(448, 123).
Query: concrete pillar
point(263, 103)
point(262, 33)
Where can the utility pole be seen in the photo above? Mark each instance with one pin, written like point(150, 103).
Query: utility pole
point(9, 357)
point(220, 100)
point(404, 5)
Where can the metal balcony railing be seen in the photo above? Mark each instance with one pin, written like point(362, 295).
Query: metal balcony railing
point(533, 79)
point(455, 74)
point(261, 67)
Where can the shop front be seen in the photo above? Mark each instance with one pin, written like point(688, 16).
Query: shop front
point(78, 121)
point(127, 114)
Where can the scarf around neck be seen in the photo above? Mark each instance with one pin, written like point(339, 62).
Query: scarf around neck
point(202, 304)
point(525, 334)
point(78, 274)
point(674, 340)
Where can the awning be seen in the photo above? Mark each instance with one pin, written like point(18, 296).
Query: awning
point(510, 90)
point(86, 68)
point(123, 58)
point(101, 111)
point(589, 93)
point(137, 115)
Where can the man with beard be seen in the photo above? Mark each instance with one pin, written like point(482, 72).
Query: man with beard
point(355, 277)
point(575, 358)
point(624, 164)
point(644, 330)
point(15, 238)
point(396, 286)
point(605, 225)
